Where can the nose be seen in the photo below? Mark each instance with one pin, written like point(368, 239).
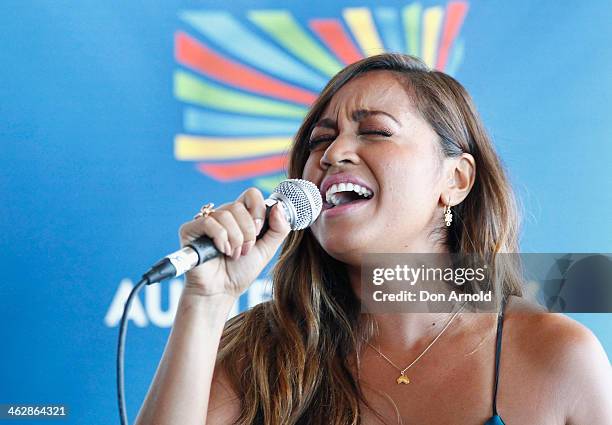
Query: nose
point(341, 151)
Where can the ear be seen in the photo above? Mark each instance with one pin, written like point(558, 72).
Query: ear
point(460, 176)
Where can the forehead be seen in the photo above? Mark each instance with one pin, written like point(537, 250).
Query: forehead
point(375, 90)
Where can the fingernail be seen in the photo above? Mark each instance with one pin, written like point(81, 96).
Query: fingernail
point(258, 224)
point(228, 248)
point(236, 253)
point(246, 247)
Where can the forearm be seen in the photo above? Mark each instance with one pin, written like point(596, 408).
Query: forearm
point(180, 389)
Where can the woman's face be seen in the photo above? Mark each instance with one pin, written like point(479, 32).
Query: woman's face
point(371, 135)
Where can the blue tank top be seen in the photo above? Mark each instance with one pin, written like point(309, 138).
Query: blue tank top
point(496, 419)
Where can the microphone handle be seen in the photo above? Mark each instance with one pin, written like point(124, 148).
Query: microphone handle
point(206, 249)
point(193, 254)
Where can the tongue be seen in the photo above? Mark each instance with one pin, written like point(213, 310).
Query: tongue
point(346, 197)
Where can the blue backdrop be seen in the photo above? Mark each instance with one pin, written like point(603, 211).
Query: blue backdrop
point(116, 125)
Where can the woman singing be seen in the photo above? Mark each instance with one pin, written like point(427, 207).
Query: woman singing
point(404, 165)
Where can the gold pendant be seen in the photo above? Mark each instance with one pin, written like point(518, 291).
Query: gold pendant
point(403, 379)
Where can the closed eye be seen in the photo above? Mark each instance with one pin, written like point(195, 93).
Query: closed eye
point(384, 133)
point(313, 143)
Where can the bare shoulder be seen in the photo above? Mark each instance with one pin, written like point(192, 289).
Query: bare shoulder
point(556, 335)
point(563, 354)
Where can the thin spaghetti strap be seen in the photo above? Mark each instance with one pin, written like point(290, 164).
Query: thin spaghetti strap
point(500, 325)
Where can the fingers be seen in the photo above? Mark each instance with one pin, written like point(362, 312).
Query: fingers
point(209, 227)
point(233, 227)
point(277, 231)
point(253, 200)
point(240, 228)
point(278, 225)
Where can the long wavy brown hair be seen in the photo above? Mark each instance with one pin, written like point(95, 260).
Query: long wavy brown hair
point(291, 360)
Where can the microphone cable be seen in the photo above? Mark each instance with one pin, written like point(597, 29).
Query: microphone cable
point(121, 350)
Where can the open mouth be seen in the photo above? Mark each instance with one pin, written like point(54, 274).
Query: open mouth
point(345, 193)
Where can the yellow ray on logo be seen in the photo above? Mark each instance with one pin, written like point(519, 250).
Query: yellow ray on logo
point(361, 23)
point(432, 22)
point(194, 148)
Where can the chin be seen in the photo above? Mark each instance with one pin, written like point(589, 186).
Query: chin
point(346, 247)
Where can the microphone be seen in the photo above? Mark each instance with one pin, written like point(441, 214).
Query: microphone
point(301, 202)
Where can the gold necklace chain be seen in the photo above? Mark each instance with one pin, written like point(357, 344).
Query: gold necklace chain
point(403, 379)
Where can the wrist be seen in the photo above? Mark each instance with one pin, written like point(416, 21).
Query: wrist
point(216, 303)
point(194, 291)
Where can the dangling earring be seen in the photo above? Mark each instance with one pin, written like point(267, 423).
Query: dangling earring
point(448, 215)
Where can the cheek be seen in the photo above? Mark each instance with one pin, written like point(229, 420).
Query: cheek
point(409, 180)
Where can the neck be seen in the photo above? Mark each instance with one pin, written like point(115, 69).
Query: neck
point(401, 330)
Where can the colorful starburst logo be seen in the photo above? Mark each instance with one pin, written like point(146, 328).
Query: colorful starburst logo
point(246, 83)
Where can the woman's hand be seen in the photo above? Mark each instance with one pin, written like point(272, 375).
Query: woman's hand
point(233, 227)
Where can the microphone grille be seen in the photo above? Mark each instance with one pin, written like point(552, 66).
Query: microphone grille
point(305, 197)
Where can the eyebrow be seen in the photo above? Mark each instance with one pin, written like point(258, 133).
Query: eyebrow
point(355, 116)
point(364, 113)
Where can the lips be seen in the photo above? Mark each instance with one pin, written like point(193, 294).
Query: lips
point(350, 208)
point(343, 178)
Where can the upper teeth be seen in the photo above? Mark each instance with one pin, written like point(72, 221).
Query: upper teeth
point(345, 187)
